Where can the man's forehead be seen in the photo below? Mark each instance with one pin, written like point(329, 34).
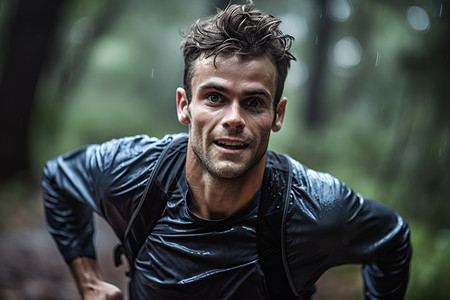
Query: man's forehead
point(232, 71)
point(242, 63)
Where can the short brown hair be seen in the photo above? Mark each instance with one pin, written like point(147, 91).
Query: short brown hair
point(239, 29)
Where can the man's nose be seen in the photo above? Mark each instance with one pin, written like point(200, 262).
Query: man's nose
point(233, 118)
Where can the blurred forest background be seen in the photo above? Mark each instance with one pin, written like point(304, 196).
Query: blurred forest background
point(368, 102)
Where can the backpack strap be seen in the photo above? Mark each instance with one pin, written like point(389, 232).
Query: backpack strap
point(153, 200)
point(272, 214)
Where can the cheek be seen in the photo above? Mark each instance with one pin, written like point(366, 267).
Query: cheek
point(264, 124)
point(200, 122)
point(205, 117)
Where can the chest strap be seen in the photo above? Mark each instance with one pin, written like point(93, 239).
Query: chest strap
point(272, 214)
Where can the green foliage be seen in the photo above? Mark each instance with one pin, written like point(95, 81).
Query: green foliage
point(430, 266)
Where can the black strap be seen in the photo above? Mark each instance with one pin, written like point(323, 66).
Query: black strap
point(153, 200)
point(272, 215)
point(270, 227)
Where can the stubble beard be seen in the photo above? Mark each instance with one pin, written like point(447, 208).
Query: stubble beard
point(224, 170)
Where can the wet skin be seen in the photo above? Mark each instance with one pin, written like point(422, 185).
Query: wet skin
point(230, 117)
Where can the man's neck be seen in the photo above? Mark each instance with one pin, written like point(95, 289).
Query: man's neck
point(214, 198)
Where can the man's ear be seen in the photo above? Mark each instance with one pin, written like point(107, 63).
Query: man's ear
point(182, 107)
point(279, 118)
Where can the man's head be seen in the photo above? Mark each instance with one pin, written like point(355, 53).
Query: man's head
point(236, 63)
point(242, 31)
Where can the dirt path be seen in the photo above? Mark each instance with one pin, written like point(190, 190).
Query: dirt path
point(32, 268)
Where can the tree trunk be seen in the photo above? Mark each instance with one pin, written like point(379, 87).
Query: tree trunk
point(322, 42)
point(28, 42)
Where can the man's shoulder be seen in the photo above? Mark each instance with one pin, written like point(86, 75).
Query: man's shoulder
point(131, 145)
point(301, 174)
point(136, 142)
point(319, 197)
point(316, 184)
point(132, 149)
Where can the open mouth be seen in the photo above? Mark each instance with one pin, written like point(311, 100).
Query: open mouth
point(231, 146)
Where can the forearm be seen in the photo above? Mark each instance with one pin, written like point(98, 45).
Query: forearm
point(87, 275)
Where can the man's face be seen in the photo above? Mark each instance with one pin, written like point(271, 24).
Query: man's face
point(231, 113)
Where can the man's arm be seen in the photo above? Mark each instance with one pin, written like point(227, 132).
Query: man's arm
point(387, 252)
point(74, 186)
point(90, 285)
point(108, 179)
point(69, 201)
point(71, 194)
point(330, 225)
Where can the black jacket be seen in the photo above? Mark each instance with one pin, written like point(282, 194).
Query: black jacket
point(327, 223)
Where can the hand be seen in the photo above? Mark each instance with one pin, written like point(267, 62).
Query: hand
point(102, 290)
point(89, 282)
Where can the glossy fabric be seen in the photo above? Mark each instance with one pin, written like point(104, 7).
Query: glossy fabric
point(328, 225)
point(186, 257)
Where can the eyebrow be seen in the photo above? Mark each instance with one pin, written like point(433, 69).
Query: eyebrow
point(220, 88)
point(257, 92)
point(213, 86)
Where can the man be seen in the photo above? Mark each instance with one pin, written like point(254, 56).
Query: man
point(204, 242)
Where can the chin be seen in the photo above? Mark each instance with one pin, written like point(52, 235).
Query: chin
point(228, 172)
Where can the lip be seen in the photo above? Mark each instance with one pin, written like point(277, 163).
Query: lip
point(231, 145)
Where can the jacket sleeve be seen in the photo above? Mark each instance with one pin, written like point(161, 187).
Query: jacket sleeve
point(332, 225)
point(70, 197)
point(107, 179)
point(386, 259)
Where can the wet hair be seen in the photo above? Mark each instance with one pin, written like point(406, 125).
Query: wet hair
point(241, 30)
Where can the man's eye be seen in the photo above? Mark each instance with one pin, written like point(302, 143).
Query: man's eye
point(213, 98)
point(255, 103)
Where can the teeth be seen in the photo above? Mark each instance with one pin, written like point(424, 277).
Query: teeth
point(231, 145)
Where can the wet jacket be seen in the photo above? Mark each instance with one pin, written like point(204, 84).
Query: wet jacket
point(327, 223)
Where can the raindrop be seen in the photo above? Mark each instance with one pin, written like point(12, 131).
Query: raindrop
point(340, 10)
point(153, 73)
point(418, 18)
point(377, 60)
